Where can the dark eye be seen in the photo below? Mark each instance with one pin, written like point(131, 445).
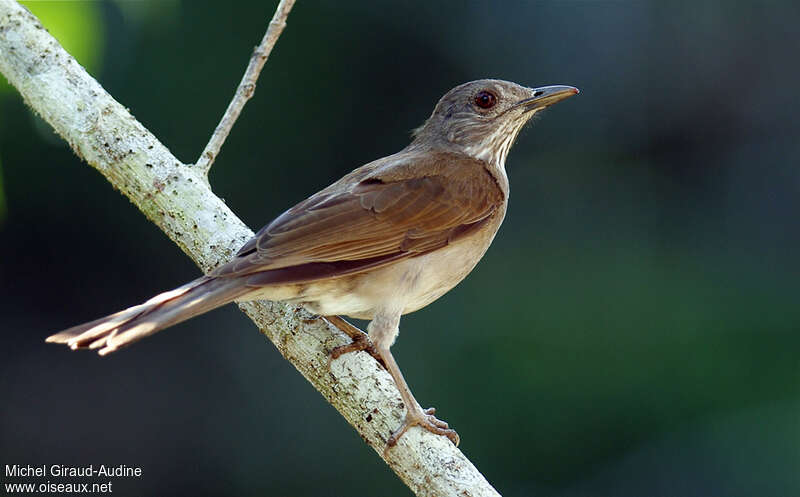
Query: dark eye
point(485, 99)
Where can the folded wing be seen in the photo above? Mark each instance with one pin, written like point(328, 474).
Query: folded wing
point(388, 213)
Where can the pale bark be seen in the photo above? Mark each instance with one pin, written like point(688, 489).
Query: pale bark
point(177, 198)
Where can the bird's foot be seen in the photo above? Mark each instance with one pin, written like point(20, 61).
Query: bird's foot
point(424, 418)
point(360, 341)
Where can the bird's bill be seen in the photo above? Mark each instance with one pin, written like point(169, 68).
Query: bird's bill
point(546, 96)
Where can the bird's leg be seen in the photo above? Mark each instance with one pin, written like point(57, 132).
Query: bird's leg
point(415, 414)
point(361, 340)
point(383, 331)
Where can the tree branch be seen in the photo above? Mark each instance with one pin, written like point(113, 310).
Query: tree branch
point(177, 198)
point(247, 86)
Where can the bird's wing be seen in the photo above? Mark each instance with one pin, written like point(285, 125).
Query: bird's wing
point(371, 217)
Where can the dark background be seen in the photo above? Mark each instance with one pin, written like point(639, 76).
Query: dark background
point(632, 331)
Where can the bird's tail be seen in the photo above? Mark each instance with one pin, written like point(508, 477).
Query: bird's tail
point(165, 309)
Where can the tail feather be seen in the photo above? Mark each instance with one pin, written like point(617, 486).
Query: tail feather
point(165, 309)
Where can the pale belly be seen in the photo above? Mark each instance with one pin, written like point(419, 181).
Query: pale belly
point(407, 285)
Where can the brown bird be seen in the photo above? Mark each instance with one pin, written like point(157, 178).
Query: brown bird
point(385, 240)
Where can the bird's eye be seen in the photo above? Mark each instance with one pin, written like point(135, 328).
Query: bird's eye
point(485, 99)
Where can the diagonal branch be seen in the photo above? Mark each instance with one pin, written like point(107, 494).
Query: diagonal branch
point(177, 199)
point(247, 86)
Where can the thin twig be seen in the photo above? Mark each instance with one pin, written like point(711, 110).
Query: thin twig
point(247, 86)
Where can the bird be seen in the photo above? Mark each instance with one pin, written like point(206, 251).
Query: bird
point(385, 240)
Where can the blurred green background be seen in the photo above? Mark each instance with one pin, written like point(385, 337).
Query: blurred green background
point(634, 329)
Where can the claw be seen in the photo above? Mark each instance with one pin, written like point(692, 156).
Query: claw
point(424, 419)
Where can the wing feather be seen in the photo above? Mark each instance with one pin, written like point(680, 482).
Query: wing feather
point(378, 214)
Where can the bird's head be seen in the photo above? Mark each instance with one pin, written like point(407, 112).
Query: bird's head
point(482, 118)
